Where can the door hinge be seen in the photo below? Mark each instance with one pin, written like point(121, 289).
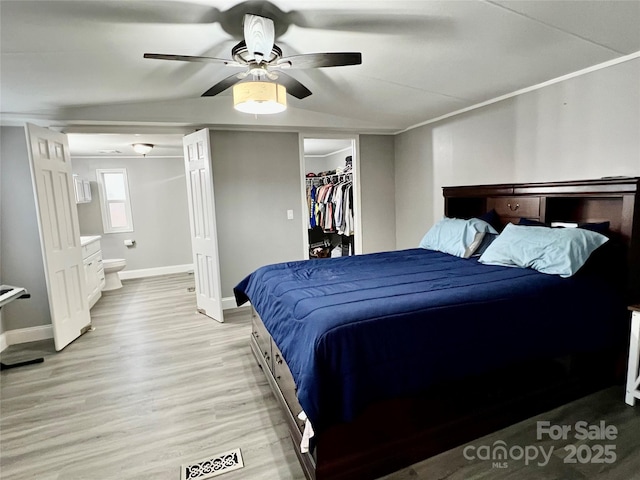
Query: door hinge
point(87, 328)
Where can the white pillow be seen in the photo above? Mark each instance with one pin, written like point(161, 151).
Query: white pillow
point(456, 236)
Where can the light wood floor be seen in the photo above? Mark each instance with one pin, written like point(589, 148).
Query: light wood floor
point(157, 385)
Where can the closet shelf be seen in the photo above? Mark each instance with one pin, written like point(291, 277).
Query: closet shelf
point(348, 176)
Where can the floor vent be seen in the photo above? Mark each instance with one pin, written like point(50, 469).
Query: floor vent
point(213, 466)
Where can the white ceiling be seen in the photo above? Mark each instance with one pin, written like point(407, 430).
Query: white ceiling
point(78, 65)
point(89, 145)
point(322, 147)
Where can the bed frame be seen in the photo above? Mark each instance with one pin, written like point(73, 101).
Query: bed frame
point(394, 434)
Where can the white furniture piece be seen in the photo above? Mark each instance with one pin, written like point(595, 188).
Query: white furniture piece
point(111, 268)
point(633, 376)
point(82, 189)
point(93, 267)
point(9, 293)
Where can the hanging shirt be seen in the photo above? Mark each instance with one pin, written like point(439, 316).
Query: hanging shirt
point(312, 206)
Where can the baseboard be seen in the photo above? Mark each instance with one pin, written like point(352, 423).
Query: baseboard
point(154, 272)
point(25, 335)
point(229, 303)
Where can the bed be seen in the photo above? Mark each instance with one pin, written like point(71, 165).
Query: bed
point(397, 356)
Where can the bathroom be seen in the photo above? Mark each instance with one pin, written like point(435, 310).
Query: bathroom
point(155, 239)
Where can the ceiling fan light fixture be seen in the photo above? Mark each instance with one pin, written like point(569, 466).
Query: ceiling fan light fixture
point(142, 148)
point(259, 98)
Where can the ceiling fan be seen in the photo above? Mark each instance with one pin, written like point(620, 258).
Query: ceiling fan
point(262, 58)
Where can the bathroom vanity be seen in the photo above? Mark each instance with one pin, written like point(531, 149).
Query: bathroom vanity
point(93, 268)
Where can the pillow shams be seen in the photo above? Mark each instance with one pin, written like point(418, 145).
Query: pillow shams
point(456, 236)
point(557, 251)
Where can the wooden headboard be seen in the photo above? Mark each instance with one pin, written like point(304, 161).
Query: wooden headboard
point(616, 200)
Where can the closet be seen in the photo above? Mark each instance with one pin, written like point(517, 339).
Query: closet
point(329, 191)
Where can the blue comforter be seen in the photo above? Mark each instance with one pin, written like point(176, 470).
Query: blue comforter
point(356, 330)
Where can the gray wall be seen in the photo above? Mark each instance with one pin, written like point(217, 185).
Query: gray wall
point(414, 186)
point(158, 205)
point(21, 261)
point(378, 190)
point(256, 177)
point(582, 128)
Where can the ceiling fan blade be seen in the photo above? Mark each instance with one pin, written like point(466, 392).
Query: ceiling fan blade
point(222, 85)
point(316, 60)
point(122, 11)
point(384, 22)
point(190, 58)
point(259, 35)
point(293, 86)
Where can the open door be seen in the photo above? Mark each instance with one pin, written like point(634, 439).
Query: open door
point(202, 218)
point(52, 178)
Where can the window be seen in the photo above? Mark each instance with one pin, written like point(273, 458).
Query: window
point(114, 200)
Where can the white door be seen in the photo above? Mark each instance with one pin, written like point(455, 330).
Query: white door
point(202, 218)
point(59, 233)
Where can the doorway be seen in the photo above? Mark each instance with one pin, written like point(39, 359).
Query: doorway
point(330, 186)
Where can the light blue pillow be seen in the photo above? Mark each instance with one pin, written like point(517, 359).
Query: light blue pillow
point(557, 251)
point(456, 236)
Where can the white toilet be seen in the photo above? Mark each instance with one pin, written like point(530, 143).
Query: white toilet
point(111, 268)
